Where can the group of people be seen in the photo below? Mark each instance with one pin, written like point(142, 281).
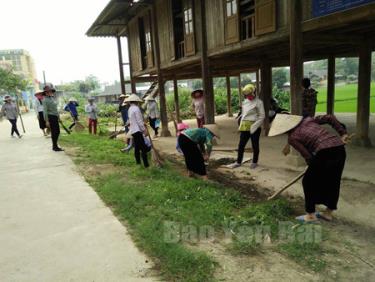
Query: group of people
point(323, 151)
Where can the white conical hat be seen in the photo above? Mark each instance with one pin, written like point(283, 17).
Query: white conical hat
point(283, 123)
point(133, 98)
point(72, 99)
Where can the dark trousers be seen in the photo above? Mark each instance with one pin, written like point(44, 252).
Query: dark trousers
point(321, 183)
point(200, 122)
point(140, 147)
point(75, 119)
point(153, 124)
point(244, 138)
point(55, 130)
point(193, 156)
point(14, 129)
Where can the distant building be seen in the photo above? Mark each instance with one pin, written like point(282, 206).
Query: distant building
point(21, 62)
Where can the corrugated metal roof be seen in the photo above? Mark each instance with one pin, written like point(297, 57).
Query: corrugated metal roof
point(113, 20)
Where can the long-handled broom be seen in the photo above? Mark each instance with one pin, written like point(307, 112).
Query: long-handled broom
point(156, 158)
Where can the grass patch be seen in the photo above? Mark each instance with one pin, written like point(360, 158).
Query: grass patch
point(310, 254)
point(166, 212)
point(345, 98)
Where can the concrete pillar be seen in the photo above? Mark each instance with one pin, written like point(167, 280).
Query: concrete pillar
point(331, 85)
point(176, 100)
point(363, 106)
point(266, 92)
point(296, 55)
point(229, 97)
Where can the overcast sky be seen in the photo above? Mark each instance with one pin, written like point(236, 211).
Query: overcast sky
point(53, 31)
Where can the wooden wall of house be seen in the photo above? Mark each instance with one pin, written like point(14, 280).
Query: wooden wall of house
point(164, 19)
point(134, 45)
point(216, 21)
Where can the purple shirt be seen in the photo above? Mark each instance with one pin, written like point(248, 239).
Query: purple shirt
point(308, 138)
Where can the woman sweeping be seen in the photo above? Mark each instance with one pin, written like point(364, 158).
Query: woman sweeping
point(325, 155)
point(251, 120)
point(198, 106)
point(196, 145)
point(39, 95)
point(152, 112)
point(10, 110)
point(137, 129)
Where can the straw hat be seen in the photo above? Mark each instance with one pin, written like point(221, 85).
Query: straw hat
point(283, 123)
point(72, 99)
point(248, 89)
point(133, 98)
point(123, 96)
point(213, 128)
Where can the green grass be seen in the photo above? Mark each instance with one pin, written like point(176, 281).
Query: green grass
point(166, 211)
point(345, 99)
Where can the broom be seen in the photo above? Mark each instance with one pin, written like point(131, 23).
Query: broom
point(156, 158)
point(64, 127)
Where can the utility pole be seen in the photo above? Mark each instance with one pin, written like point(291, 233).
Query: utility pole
point(44, 78)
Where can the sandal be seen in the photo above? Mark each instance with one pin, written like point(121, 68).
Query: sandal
point(321, 216)
point(302, 219)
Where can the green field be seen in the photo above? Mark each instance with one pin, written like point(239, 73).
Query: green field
point(345, 100)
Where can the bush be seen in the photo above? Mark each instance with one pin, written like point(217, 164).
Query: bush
point(282, 97)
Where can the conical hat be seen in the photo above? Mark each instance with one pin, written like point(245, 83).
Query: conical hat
point(133, 98)
point(283, 123)
point(214, 129)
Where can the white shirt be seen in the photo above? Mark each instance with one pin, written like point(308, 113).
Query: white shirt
point(136, 119)
point(38, 106)
point(92, 111)
point(152, 110)
point(199, 107)
point(253, 111)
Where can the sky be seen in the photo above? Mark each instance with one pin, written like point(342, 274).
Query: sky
point(53, 32)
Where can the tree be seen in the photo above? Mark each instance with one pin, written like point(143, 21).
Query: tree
point(279, 77)
point(11, 82)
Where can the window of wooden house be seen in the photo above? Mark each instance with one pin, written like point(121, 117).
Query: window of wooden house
point(146, 41)
point(231, 21)
point(248, 18)
point(142, 41)
point(183, 28)
point(231, 7)
point(189, 28)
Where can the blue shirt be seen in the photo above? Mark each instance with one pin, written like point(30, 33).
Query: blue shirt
point(72, 108)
